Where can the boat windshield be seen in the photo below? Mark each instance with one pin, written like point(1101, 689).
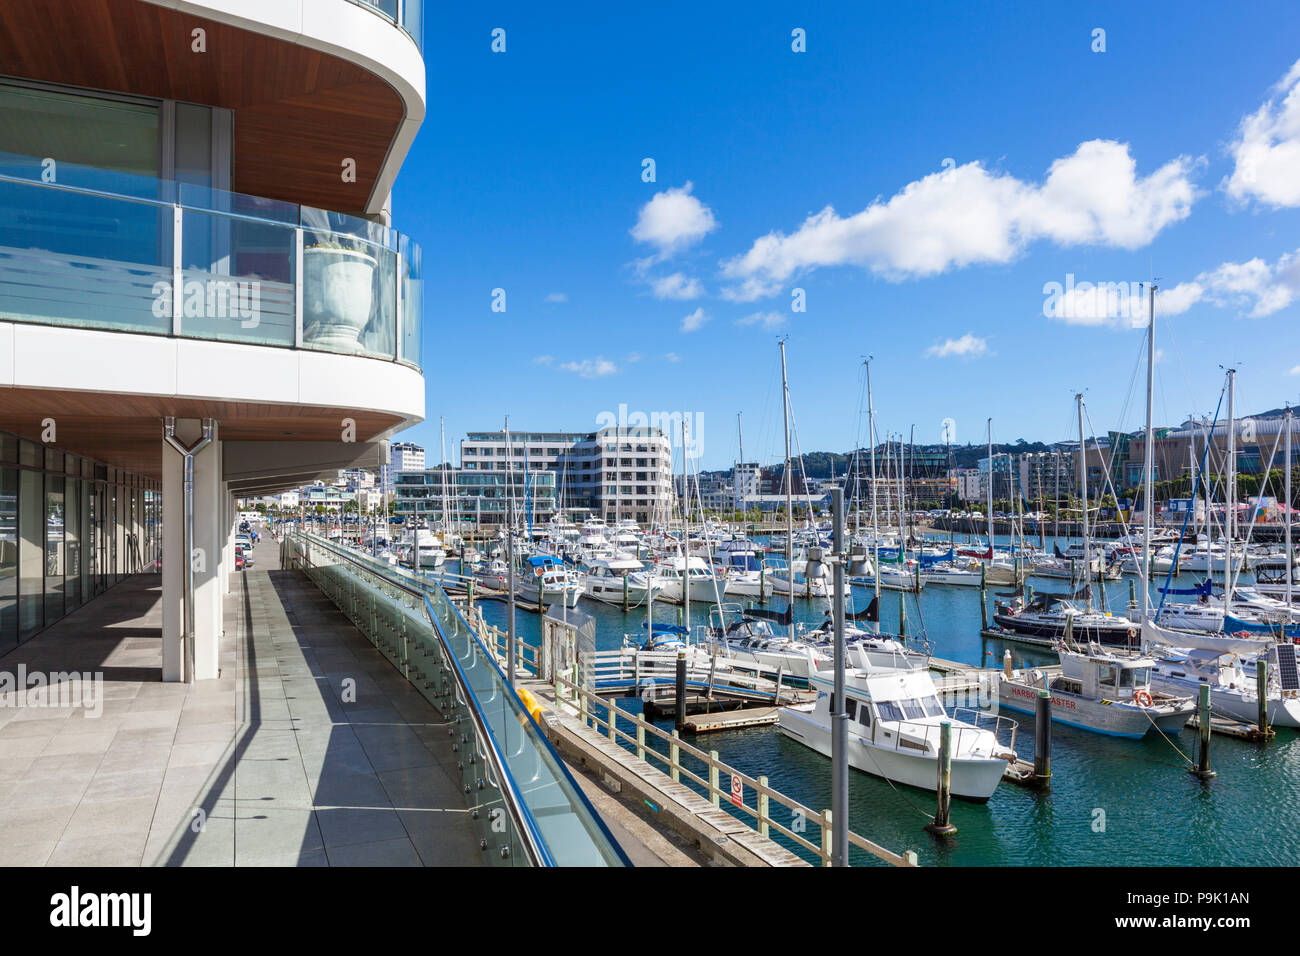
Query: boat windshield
point(913, 708)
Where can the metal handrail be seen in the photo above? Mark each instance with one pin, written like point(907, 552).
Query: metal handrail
point(420, 589)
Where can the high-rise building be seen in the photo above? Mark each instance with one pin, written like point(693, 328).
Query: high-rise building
point(403, 456)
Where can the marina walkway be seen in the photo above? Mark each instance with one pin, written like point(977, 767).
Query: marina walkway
point(265, 766)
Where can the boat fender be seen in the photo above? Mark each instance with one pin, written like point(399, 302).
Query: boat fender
point(531, 705)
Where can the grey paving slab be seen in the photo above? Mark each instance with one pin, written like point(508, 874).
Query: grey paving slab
point(309, 750)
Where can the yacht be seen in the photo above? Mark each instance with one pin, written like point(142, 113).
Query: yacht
point(1049, 615)
point(1233, 681)
point(619, 579)
point(895, 719)
point(422, 549)
point(706, 585)
point(1098, 691)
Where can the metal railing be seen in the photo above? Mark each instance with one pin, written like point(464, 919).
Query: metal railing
point(527, 809)
point(406, 14)
point(95, 249)
point(747, 798)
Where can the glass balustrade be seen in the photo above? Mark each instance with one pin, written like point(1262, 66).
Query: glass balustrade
point(504, 758)
point(92, 249)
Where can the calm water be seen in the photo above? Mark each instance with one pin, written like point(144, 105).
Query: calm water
point(1154, 812)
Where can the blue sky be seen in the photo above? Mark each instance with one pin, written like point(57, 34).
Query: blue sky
point(527, 176)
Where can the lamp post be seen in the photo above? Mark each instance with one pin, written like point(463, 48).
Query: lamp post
point(856, 562)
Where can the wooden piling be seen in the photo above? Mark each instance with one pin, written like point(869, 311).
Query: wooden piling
point(1043, 740)
point(1261, 690)
point(942, 825)
point(1202, 769)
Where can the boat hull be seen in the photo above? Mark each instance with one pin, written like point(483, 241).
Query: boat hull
point(1112, 719)
point(972, 779)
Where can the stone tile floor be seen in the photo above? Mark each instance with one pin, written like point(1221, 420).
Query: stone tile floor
point(266, 766)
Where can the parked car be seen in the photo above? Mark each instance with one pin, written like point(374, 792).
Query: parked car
point(239, 558)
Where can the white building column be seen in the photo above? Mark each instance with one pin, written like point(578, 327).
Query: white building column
point(207, 554)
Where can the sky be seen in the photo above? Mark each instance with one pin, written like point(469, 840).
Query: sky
point(916, 177)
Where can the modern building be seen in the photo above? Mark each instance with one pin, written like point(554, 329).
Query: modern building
point(403, 456)
point(616, 472)
point(196, 258)
point(474, 499)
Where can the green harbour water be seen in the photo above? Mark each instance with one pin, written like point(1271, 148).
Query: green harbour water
point(1112, 801)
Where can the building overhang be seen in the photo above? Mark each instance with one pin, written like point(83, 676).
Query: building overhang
point(312, 83)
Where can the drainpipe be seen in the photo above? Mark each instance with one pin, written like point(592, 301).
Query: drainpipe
point(187, 635)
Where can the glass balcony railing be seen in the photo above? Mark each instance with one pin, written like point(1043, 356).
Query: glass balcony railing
point(89, 248)
point(407, 14)
point(526, 806)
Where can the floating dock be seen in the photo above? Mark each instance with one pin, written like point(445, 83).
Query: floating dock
point(732, 720)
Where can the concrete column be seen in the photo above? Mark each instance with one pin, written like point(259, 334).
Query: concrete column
point(210, 538)
point(208, 544)
point(173, 567)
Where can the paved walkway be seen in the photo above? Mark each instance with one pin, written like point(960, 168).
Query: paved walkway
point(265, 766)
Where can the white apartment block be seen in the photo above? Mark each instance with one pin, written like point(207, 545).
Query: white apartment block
point(614, 472)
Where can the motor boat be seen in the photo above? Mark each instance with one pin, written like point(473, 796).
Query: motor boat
point(1106, 693)
point(895, 720)
point(1052, 615)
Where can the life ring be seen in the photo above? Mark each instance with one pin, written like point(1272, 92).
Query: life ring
point(1143, 698)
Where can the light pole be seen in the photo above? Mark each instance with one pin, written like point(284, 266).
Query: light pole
point(856, 562)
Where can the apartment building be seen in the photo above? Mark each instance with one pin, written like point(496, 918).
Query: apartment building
point(197, 261)
point(616, 472)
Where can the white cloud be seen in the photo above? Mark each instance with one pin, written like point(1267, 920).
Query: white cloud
point(968, 215)
point(597, 367)
point(1295, 370)
point(673, 220)
point(768, 320)
point(694, 321)
point(634, 357)
point(544, 360)
point(968, 346)
point(676, 286)
point(1266, 152)
point(557, 297)
point(673, 357)
point(1256, 286)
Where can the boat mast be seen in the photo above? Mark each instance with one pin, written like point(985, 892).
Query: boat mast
point(875, 529)
point(686, 538)
point(1230, 495)
point(1148, 462)
point(442, 428)
point(990, 515)
point(740, 435)
point(789, 490)
point(1286, 484)
point(1083, 496)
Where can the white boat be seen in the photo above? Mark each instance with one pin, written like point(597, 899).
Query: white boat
point(1106, 693)
point(422, 549)
point(618, 579)
point(705, 584)
point(1233, 684)
point(895, 719)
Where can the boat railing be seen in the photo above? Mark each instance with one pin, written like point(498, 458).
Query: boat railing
point(751, 800)
point(924, 737)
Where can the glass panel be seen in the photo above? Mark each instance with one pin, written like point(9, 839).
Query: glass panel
point(54, 525)
point(349, 295)
point(72, 542)
point(412, 300)
point(74, 259)
point(238, 279)
point(31, 554)
point(78, 130)
point(8, 557)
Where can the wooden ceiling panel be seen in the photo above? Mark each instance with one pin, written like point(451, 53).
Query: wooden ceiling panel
point(298, 112)
point(130, 435)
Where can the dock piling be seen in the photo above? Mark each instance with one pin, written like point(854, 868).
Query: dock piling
point(1261, 690)
point(681, 688)
point(1203, 728)
point(1043, 740)
point(941, 825)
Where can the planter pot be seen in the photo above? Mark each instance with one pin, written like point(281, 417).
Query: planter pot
point(337, 295)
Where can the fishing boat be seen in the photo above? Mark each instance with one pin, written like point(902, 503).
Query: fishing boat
point(1097, 691)
point(549, 582)
point(895, 720)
